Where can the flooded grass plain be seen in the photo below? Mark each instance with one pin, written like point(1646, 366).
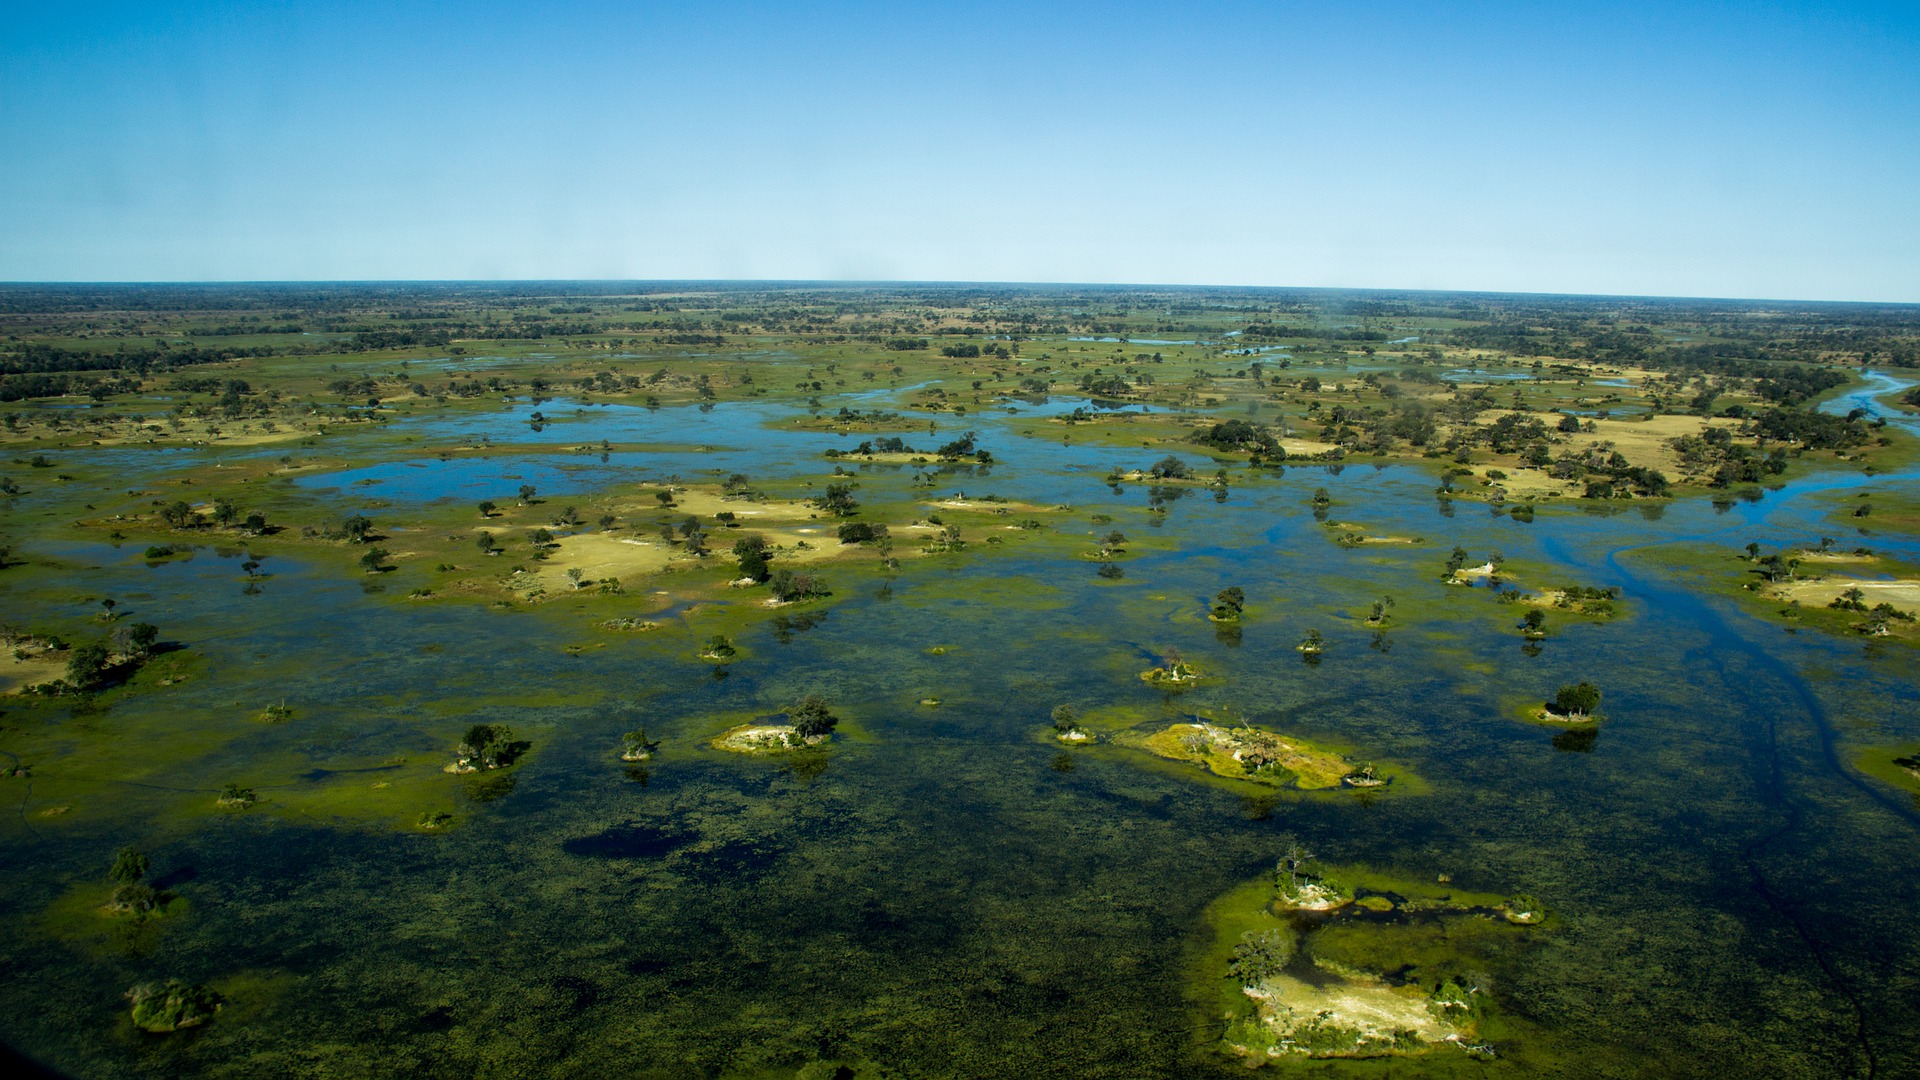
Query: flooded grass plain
point(946, 890)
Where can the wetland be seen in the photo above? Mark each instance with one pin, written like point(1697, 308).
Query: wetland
point(663, 679)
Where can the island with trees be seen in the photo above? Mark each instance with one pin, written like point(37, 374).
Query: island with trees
point(1316, 961)
point(1242, 751)
point(808, 723)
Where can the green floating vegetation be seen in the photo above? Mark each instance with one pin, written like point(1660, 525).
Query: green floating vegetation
point(1322, 962)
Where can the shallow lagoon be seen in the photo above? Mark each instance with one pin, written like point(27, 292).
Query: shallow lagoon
point(949, 894)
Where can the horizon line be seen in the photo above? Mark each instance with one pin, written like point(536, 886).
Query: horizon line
point(829, 283)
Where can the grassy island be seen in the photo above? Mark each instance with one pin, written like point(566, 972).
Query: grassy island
point(1249, 753)
point(807, 723)
point(1323, 962)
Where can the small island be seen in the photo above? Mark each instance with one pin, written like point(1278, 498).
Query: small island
point(1175, 674)
point(1245, 752)
point(1578, 703)
point(1317, 963)
point(486, 746)
point(635, 746)
point(172, 1005)
point(1066, 727)
point(809, 722)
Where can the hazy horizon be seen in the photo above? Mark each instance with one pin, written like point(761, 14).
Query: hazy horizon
point(855, 283)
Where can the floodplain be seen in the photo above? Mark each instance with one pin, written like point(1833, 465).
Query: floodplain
point(803, 681)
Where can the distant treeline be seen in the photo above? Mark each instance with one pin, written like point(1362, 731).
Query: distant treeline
point(1276, 331)
point(60, 384)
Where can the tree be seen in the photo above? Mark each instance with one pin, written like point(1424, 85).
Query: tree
point(255, 524)
point(179, 514)
point(486, 508)
point(635, 746)
point(1065, 719)
point(811, 717)
point(526, 494)
point(1228, 605)
point(1753, 552)
point(838, 500)
point(1294, 857)
point(574, 574)
point(485, 543)
point(1113, 542)
point(357, 528)
point(129, 866)
point(491, 745)
point(1169, 468)
point(751, 550)
point(135, 642)
point(224, 512)
point(372, 561)
point(1579, 700)
point(1533, 621)
point(860, 532)
point(87, 665)
point(789, 586)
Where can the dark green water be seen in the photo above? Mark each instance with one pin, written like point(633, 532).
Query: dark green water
point(939, 897)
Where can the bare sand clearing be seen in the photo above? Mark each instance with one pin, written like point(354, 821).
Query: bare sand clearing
point(1901, 593)
point(1003, 507)
point(1370, 1006)
point(39, 666)
point(599, 555)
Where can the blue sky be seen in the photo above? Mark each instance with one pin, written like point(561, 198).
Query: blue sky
point(1768, 150)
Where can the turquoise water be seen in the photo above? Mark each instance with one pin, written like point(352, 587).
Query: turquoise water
point(940, 896)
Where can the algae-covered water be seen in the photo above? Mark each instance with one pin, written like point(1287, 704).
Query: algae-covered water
point(946, 891)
